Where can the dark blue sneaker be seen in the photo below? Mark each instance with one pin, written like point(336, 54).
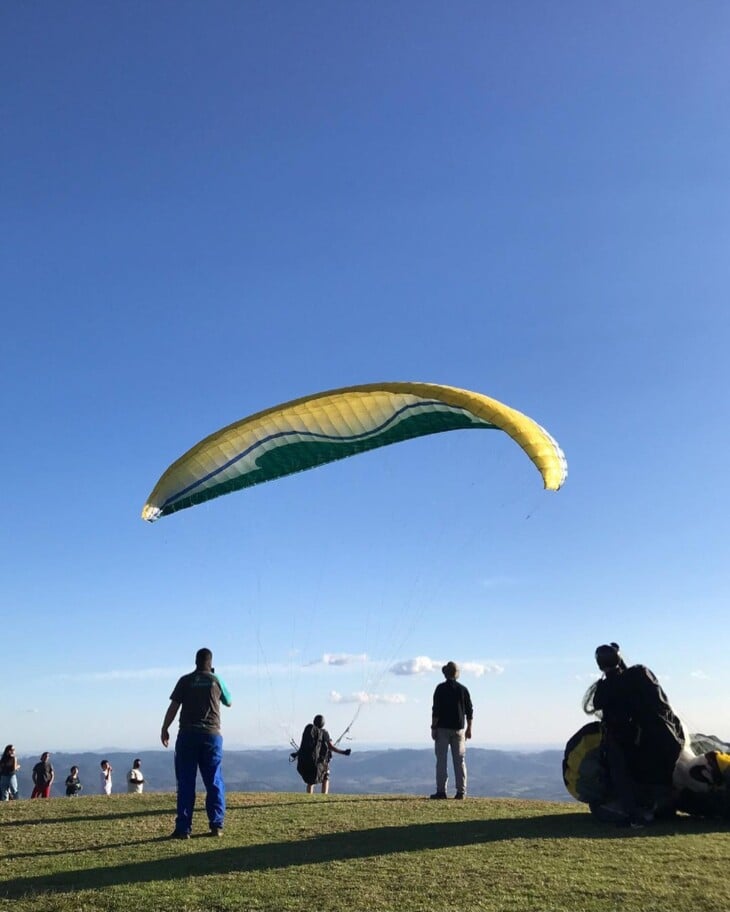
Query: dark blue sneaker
point(439, 795)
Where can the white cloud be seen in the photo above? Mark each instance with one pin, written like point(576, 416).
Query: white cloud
point(700, 675)
point(417, 666)
point(425, 665)
point(362, 697)
point(340, 658)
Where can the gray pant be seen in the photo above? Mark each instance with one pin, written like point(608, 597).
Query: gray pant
point(450, 738)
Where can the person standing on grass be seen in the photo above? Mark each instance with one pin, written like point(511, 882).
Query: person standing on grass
point(9, 767)
point(43, 776)
point(199, 743)
point(314, 754)
point(73, 784)
point(135, 778)
point(105, 778)
point(452, 710)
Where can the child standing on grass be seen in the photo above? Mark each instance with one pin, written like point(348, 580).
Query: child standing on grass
point(73, 786)
point(105, 778)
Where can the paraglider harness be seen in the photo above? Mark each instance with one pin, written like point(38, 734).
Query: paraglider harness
point(312, 755)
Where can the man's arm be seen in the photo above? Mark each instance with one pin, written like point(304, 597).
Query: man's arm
point(434, 714)
point(469, 711)
point(331, 746)
point(225, 695)
point(167, 722)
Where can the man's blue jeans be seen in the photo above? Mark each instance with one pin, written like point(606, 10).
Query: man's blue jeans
point(193, 751)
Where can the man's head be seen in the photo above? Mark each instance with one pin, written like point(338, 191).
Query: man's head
point(203, 660)
point(137, 763)
point(450, 671)
point(608, 656)
point(318, 721)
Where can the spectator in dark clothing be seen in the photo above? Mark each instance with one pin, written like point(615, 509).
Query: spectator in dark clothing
point(73, 784)
point(199, 743)
point(452, 711)
point(641, 736)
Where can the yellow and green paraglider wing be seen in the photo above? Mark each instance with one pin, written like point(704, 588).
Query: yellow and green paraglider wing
point(332, 425)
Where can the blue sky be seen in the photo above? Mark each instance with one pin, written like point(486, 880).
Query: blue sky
point(212, 208)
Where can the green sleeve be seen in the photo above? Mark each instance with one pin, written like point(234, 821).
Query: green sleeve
point(225, 695)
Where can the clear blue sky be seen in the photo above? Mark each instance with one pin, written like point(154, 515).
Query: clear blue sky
point(209, 208)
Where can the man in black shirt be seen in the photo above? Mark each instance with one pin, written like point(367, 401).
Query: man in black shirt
point(199, 744)
point(452, 708)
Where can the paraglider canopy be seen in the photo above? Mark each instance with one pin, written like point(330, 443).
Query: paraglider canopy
point(321, 428)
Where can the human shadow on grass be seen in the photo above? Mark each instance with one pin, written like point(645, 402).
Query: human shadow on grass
point(328, 847)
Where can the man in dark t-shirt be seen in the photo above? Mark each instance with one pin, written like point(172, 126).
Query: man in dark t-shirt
point(43, 776)
point(199, 744)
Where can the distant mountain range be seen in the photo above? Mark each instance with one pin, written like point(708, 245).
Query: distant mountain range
point(491, 773)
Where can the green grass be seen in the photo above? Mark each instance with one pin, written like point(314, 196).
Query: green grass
point(343, 852)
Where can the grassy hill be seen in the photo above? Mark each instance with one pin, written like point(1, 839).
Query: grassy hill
point(345, 852)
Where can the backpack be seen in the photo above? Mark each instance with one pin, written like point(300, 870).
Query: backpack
point(313, 755)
